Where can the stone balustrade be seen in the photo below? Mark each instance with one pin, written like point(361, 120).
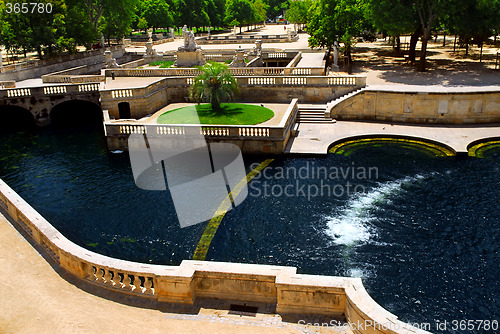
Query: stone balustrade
point(7, 84)
point(193, 72)
point(56, 60)
point(292, 293)
point(48, 90)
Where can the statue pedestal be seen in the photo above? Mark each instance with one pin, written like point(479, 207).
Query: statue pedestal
point(189, 58)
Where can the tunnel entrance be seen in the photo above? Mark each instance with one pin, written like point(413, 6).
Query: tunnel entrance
point(76, 113)
point(14, 118)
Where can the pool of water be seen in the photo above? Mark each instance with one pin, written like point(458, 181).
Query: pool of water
point(421, 231)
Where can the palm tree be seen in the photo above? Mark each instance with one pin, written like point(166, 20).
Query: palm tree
point(214, 85)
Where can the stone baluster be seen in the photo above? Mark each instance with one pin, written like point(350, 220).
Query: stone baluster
point(116, 279)
point(148, 285)
point(99, 275)
point(107, 277)
point(137, 284)
point(90, 272)
point(126, 282)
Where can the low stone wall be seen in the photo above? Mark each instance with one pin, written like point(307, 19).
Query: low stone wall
point(246, 39)
point(255, 139)
point(35, 69)
point(291, 292)
point(427, 105)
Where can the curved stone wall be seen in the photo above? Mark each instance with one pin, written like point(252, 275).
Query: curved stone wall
point(291, 292)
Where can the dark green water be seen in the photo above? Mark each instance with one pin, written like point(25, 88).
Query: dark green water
point(423, 235)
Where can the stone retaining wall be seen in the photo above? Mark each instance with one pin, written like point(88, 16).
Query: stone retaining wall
point(429, 106)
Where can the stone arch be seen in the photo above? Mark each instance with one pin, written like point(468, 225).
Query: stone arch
point(15, 118)
point(76, 113)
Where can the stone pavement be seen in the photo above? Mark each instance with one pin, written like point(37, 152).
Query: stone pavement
point(37, 299)
point(316, 138)
point(311, 59)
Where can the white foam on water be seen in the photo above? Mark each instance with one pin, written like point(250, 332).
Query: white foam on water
point(351, 225)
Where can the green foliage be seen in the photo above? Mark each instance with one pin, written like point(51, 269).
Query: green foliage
point(162, 64)
point(239, 12)
point(276, 8)
point(214, 85)
point(298, 11)
point(392, 17)
point(157, 14)
point(192, 13)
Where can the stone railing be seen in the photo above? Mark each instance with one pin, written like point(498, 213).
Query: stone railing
point(278, 133)
point(7, 84)
point(49, 90)
point(73, 79)
point(192, 72)
point(60, 59)
point(292, 293)
point(250, 39)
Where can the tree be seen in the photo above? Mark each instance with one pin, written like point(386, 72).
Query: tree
point(276, 8)
point(216, 10)
point(239, 12)
point(335, 21)
point(192, 13)
point(298, 11)
point(394, 18)
point(214, 85)
point(259, 9)
point(157, 14)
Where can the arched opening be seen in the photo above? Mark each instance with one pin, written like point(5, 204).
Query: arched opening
point(124, 110)
point(349, 145)
point(76, 113)
point(14, 118)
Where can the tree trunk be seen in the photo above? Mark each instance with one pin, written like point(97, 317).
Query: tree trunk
point(481, 54)
point(349, 59)
point(444, 39)
point(398, 44)
point(412, 53)
point(455, 43)
point(423, 53)
point(467, 48)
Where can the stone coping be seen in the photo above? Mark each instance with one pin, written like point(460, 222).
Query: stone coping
point(292, 293)
point(432, 89)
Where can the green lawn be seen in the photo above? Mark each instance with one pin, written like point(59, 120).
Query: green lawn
point(231, 113)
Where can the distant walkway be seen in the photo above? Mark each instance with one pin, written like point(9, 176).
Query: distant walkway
point(317, 138)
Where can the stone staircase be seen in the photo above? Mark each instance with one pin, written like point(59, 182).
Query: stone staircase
point(333, 103)
point(313, 113)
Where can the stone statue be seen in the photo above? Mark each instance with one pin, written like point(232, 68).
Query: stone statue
point(189, 54)
point(172, 33)
point(257, 49)
point(208, 29)
point(150, 52)
point(189, 42)
point(109, 61)
point(335, 66)
point(238, 59)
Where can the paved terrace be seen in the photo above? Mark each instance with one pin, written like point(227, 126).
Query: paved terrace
point(317, 138)
point(37, 299)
